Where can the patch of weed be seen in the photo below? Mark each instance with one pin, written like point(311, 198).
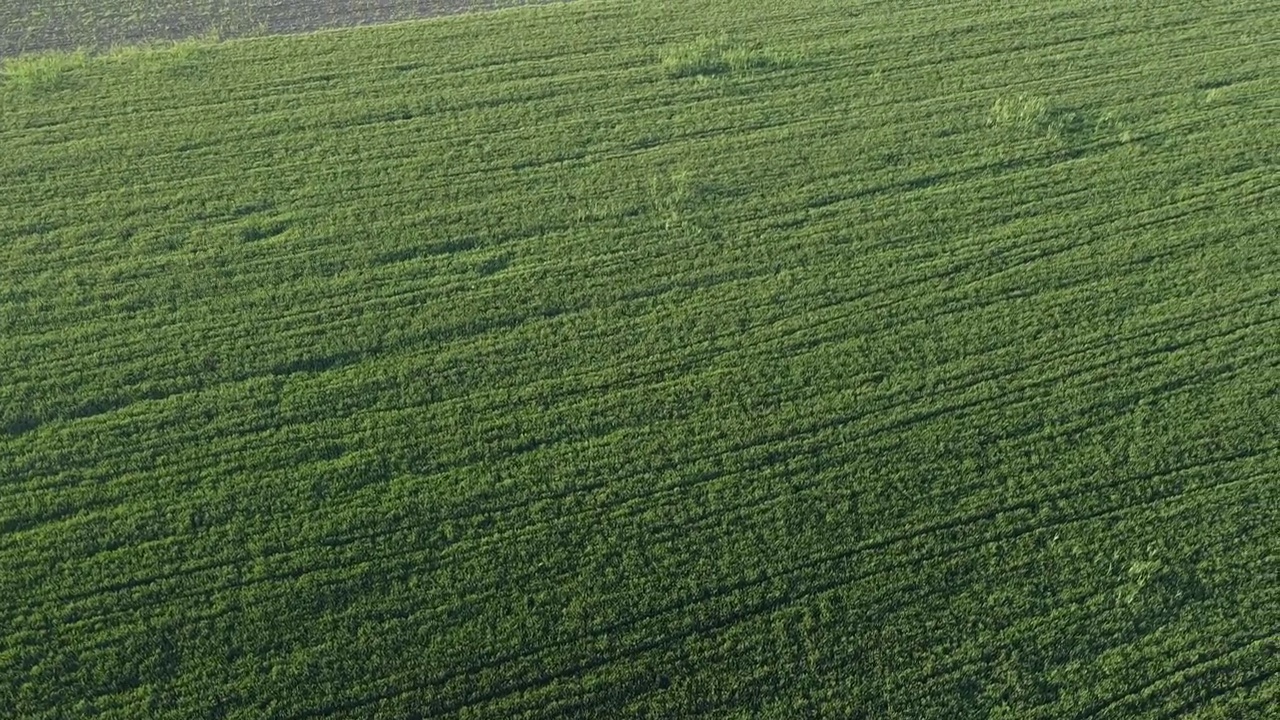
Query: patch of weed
point(1032, 116)
point(710, 56)
point(42, 71)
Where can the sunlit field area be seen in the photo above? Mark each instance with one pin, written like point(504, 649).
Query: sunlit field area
point(614, 359)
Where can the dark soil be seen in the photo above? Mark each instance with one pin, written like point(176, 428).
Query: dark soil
point(35, 25)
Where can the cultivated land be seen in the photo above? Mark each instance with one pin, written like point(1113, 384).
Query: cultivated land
point(37, 25)
point(639, 359)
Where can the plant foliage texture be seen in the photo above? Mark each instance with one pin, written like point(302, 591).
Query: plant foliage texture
point(921, 360)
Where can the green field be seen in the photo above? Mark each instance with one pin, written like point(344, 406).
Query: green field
point(642, 359)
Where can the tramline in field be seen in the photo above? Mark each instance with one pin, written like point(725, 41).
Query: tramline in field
point(629, 359)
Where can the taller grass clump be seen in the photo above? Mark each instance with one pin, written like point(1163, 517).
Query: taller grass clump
point(708, 56)
point(41, 71)
point(1034, 116)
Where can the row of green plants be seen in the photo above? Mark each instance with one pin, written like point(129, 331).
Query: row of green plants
point(615, 360)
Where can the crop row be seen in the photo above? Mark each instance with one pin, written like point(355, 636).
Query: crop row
point(492, 367)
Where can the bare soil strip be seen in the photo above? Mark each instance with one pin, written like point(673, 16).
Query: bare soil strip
point(45, 25)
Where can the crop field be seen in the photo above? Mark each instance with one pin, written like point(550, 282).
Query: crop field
point(641, 359)
point(28, 26)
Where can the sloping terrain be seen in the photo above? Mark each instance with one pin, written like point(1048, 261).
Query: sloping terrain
point(622, 359)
